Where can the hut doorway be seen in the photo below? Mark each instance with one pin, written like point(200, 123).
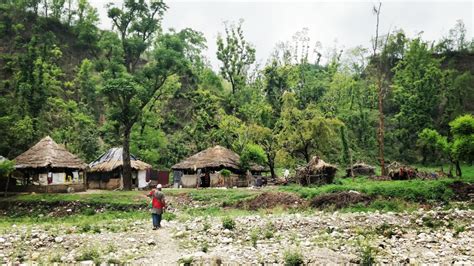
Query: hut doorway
point(205, 180)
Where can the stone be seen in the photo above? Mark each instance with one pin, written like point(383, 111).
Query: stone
point(151, 242)
point(35, 256)
point(58, 239)
point(2, 240)
point(226, 240)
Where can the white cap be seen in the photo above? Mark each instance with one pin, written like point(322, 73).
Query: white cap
point(158, 186)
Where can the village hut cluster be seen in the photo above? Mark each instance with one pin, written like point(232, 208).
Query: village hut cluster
point(50, 167)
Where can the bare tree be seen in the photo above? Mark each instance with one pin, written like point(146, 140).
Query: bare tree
point(380, 77)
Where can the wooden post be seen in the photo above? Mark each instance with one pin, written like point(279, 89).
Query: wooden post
point(6, 187)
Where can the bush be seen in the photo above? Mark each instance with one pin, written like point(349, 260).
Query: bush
point(169, 216)
point(254, 237)
point(367, 255)
point(90, 253)
point(228, 223)
point(293, 258)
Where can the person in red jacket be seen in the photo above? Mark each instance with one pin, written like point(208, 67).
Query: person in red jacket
point(158, 206)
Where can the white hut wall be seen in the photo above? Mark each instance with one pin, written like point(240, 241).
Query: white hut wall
point(56, 180)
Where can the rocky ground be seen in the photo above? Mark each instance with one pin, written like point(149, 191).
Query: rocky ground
point(434, 236)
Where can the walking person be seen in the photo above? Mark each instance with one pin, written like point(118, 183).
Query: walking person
point(158, 206)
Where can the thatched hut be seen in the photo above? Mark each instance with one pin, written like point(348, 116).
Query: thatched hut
point(49, 167)
point(398, 171)
point(106, 171)
point(316, 172)
point(360, 169)
point(206, 169)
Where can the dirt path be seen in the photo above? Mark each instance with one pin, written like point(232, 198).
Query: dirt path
point(166, 251)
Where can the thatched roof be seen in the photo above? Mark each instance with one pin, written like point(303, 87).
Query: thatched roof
point(47, 153)
point(215, 157)
point(317, 164)
point(362, 165)
point(113, 159)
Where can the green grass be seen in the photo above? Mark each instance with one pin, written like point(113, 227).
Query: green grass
point(104, 197)
point(411, 190)
point(79, 220)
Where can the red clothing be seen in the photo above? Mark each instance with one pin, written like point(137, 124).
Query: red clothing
point(157, 202)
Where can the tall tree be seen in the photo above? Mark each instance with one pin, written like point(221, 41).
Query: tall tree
point(416, 87)
point(236, 55)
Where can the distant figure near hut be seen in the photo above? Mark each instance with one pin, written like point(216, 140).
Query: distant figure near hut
point(49, 167)
point(203, 169)
point(360, 169)
point(316, 172)
point(106, 171)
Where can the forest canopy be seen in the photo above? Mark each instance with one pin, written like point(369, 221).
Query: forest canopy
point(152, 89)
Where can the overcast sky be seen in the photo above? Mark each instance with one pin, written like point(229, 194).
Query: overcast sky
point(345, 23)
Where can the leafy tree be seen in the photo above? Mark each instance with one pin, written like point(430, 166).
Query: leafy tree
point(460, 148)
point(416, 87)
point(462, 129)
point(305, 132)
point(137, 22)
point(252, 154)
point(267, 139)
point(236, 55)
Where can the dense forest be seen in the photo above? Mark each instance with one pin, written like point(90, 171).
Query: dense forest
point(151, 89)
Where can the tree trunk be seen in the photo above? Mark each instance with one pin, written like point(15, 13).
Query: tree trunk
point(380, 135)
point(458, 169)
point(6, 187)
point(126, 167)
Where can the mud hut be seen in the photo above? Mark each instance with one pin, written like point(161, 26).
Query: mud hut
point(49, 167)
point(316, 172)
point(398, 171)
point(360, 169)
point(213, 167)
point(106, 171)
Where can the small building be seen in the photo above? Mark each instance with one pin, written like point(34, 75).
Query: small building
point(316, 172)
point(106, 171)
point(49, 167)
point(206, 169)
point(360, 169)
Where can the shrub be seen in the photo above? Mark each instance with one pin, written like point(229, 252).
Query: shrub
point(269, 231)
point(459, 229)
point(90, 253)
point(205, 247)
point(293, 258)
point(206, 226)
point(254, 238)
point(228, 223)
point(169, 216)
point(367, 254)
point(88, 211)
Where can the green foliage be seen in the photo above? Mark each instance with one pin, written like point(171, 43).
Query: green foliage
point(6, 167)
point(228, 223)
point(225, 173)
point(367, 254)
point(252, 153)
point(90, 253)
point(416, 87)
point(236, 55)
point(293, 258)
